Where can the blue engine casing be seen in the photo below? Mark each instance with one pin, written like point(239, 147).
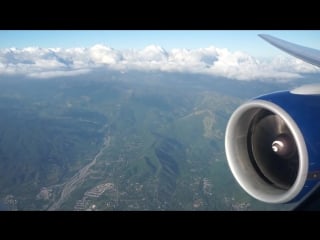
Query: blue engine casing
point(300, 111)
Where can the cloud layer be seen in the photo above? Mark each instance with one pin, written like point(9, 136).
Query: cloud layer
point(54, 62)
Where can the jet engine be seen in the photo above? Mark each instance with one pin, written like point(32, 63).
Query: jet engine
point(273, 145)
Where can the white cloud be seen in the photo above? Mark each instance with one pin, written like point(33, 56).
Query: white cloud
point(103, 54)
point(53, 62)
point(50, 74)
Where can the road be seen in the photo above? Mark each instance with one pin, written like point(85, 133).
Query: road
point(79, 177)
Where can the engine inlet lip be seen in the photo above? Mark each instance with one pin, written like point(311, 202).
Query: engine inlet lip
point(237, 130)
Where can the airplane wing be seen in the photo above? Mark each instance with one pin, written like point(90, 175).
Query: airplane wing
point(306, 54)
point(253, 157)
point(312, 56)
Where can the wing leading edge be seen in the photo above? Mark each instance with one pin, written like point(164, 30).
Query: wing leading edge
point(306, 54)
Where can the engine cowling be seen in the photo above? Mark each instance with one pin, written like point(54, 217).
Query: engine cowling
point(273, 145)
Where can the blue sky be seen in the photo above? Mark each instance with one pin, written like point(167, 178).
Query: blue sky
point(233, 40)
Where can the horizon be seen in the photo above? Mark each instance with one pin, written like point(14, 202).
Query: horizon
point(237, 54)
point(246, 40)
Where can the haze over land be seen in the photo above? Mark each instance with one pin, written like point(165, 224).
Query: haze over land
point(104, 129)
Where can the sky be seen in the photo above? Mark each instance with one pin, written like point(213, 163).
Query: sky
point(244, 40)
point(236, 54)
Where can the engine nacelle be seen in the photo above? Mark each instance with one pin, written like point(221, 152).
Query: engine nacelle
point(273, 145)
